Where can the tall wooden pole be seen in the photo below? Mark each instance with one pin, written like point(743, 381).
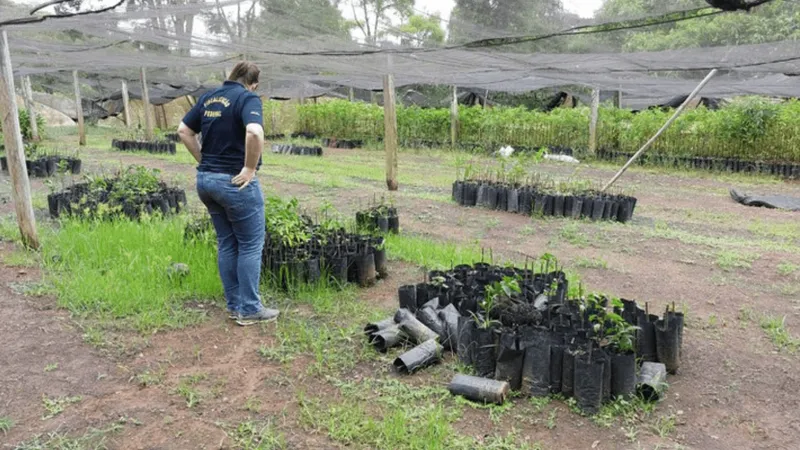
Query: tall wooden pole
point(593, 121)
point(390, 132)
point(27, 91)
point(15, 152)
point(663, 128)
point(618, 99)
point(126, 104)
point(148, 109)
point(164, 115)
point(454, 118)
point(79, 109)
point(272, 121)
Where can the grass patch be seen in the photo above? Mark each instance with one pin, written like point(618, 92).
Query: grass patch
point(539, 403)
point(786, 268)
point(784, 230)
point(629, 411)
point(528, 230)
point(94, 439)
point(187, 388)
point(281, 352)
point(6, 424)
point(257, 436)
point(590, 263)
point(55, 406)
point(20, 258)
point(572, 234)
point(88, 263)
point(333, 348)
point(664, 425)
point(728, 243)
point(775, 328)
point(729, 260)
point(150, 378)
point(400, 416)
point(427, 252)
point(51, 367)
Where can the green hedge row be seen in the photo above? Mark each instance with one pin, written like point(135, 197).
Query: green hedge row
point(749, 128)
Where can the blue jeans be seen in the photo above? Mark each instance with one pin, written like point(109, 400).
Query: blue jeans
point(238, 218)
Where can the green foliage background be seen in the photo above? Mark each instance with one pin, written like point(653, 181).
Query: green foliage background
point(749, 128)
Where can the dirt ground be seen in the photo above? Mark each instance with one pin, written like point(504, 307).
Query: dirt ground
point(688, 244)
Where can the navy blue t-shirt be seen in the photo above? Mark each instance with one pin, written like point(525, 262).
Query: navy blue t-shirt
point(222, 116)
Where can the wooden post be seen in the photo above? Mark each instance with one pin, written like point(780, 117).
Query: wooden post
point(272, 121)
point(663, 128)
point(593, 121)
point(164, 114)
point(156, 117)
point(454, 118)
point(148, 109)
point(486, 99)
point(79, 109)
point(27, 91)
point(351, 95)
point(618, 99)
point(390, 132)
point(126, 104)
point(15, 151)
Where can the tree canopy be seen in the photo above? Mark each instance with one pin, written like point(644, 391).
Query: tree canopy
point(508, 17)
point(422, 31)
point(771, 22)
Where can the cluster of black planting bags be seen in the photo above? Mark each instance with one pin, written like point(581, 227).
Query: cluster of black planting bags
point(339, 256)
point(382, 219)
point(292, 149)
point(532, 200)
point(342, 143)
point(779, 169)
point(46, 166)
point(152, 147)
point(81, 200)
point(539, 343)
point(172, 137)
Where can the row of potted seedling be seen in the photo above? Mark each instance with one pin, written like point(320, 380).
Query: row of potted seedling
point(132, 193)
point(47, 166)
point(152, 147)
point(780, 169)
point(543, 201)
point(292, 149)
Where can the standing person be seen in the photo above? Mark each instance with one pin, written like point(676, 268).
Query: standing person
point(230, 120)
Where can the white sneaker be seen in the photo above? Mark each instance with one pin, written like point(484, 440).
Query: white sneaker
point(263, 316)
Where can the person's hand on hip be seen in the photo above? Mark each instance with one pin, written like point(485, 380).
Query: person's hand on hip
point(244, 178)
